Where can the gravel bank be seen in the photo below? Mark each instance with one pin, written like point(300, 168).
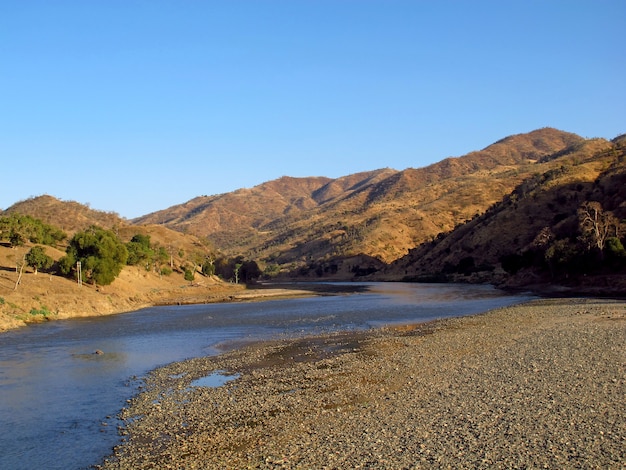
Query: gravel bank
point(541, 385)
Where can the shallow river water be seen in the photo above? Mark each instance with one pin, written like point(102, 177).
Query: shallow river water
point(59, 400)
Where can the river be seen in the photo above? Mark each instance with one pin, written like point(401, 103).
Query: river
point(59, 399)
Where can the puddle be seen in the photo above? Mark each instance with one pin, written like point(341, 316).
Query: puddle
point(216, 379)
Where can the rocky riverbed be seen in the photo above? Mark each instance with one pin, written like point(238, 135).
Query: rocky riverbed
point(540, 385)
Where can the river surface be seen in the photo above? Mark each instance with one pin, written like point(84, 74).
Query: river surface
point(59, 400)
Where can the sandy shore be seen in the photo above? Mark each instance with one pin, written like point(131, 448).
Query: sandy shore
point(541, 385)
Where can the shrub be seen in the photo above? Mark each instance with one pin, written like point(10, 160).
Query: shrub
point(189, 275)
point(43, 311)
point(101, 253)
point(38, 259)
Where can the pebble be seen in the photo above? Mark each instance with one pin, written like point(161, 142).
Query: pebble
point(539, 385)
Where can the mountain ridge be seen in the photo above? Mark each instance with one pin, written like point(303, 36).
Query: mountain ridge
point(536, 230)
point(354, 209)
point(367, 221)
point(512, 214)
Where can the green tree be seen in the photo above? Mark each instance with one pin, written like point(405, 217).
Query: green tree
point(615, 253)
point(101, 253)
point(236, 269)
point(161, 259)
point(236, 272)
point(208, 266)
point(196, 258)
point(512, 262)
point(224, 267)
point(249, 271)
point(19, 229)
point(615, 248)
point(38, 259)
point(16, 238)
point(560, 255)
point(140, 251)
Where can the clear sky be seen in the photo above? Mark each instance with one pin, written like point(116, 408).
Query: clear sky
point(133, 106)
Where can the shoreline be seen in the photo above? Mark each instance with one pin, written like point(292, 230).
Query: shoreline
point(540, 383)
point(102, 305)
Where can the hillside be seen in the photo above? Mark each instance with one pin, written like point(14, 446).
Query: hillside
point(240, 220)
point(69, 216)
point(48, 296)
point(313, 225)
point(45, 296)
point(490, 216)
point(535, 232)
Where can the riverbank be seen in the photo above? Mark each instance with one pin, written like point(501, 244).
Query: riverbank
point(43, 297)
point(534, 385)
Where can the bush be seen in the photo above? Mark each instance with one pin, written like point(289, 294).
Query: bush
point(189, 274)
point(139, 250)
point(614, 248)
point(101, 253)
point(38, 259)
point(43, 311)
point(512, 263)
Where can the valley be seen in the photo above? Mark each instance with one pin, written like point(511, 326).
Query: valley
point(511, 214)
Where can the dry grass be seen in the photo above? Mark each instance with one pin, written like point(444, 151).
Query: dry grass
point(43, 296)
point(286, 219)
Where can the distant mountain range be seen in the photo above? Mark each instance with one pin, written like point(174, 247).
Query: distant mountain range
point(390, 224)
point(382, 213)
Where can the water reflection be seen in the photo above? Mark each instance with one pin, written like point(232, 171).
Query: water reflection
point(59, 399)
point(216, 379)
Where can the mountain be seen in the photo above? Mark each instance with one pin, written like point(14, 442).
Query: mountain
point(243, 219)
point(507, 214)
point(534, 235)
point(313, 224)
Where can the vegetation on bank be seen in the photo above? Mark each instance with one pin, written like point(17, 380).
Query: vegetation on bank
point(33, 287)
point(97, 255)
point(594, 247)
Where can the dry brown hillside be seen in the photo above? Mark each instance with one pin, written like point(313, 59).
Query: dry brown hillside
point(540, 215)
point(72, 216)
point(46, 296)
point(49, 296)
point(69, 216)
point(357, 224)
point(307, 222)
point(246, 210)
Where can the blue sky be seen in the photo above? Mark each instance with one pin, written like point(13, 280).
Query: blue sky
point(133, 106)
